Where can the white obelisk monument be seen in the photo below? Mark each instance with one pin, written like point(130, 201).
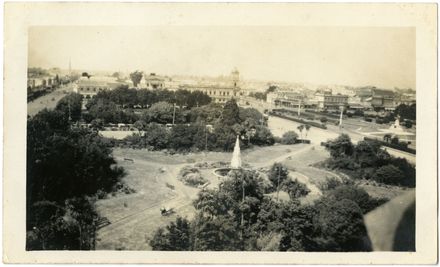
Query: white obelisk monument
point(236, 158)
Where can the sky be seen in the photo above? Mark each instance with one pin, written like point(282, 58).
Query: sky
point(356, 56)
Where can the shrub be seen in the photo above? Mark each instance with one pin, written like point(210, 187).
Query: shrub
point(323, 119)
point(289, 138)
point(278, 173)
point(191, 176)
point(353, 193)
point(295, 188)
point(389, 174)
point(347, 163)
point(408, 124)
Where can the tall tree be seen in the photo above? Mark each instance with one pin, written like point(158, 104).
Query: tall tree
point(136, 77)
point(231, 113)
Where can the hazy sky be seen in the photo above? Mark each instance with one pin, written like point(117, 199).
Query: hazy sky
point(356, 56)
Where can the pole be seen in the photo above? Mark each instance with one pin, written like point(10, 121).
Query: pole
point(299, 108)
point(242, 202)
point(206, 139)
point(278, 182)
point(340, 118)
point(70, 117)
point(174, 112)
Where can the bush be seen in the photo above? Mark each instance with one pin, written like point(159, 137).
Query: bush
point(191, 176)
point(389, 174)
point(289, 138)
point(347, 163)
point(295, 188)
point(323, 119)
point(332, 182)
point(278, 173)
point(353, 193)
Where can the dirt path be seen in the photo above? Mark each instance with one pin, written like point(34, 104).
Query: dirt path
point(125, 231)
point(134, 230)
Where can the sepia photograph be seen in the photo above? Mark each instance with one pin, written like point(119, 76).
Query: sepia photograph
point(221, 138)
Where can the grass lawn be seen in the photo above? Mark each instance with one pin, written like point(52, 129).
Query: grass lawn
point(135, 217)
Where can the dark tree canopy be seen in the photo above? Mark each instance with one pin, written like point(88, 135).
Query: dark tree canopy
point(231, 113)
point(136, 77)
point(65, 167)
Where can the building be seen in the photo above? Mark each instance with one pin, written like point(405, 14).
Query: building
point(325, 100)
point(285, 99)
point(220, 92)
point(406, 98)
point(89, 87)
point(379, 99)
point(40, 83)
point(154, 81)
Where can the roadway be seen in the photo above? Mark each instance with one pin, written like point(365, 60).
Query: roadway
point(48, 101)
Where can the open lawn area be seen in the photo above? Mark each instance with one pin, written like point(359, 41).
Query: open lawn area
point(154, 176)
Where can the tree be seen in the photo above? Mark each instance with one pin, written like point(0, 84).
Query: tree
point(278, 173)
point(389, 174)
point(251, 117)
point(136, 77)
point(85, 74)
point(289, 138)
point(208, 114)
point(71, 105)
point(213, 203)
point(408, 124)
point(406, 111)
point(231, 113)
point(219, 234)
point(65, 168)
point(176, 237)
point(224, 136)
point(299, 229)
point(160, 112)
point(97, 124)
point(307, 129)
point(407, 169)
point(370, 154)
point(387, 138)
point(340, 147)
point(295, 188)
point(353, 193)
point(116, 75)
point(182, 137)
point(340, 226)
point(262, 136)
point(156, 135)
point(300, 128)
point(140, 125)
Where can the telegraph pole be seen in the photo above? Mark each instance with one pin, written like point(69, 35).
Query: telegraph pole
point(70, 117)
point(206, 139)
point(174, 112)
point(278, 182)
point(340, 118)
